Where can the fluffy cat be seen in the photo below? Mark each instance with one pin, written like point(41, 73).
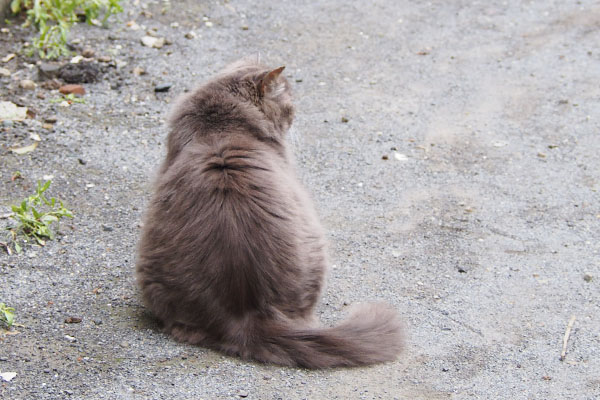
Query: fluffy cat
point(232, 255)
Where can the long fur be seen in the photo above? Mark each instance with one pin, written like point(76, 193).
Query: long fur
point(232, 255)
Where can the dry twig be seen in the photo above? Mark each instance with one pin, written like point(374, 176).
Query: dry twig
point(563, 354)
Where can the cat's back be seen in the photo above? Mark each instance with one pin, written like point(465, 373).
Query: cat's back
point(228, 190)
point(231, 165)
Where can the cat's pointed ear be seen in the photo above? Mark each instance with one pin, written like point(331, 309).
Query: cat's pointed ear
point(269, 86)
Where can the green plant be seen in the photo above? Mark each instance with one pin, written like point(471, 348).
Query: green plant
point(35, 222)
point(7, 315)
point(69, 98)
point(54, 18)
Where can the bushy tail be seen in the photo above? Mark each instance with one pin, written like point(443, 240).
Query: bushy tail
point(370, 335)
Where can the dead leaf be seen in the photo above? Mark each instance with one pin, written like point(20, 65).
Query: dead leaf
point(26, 149)
point(9, 57)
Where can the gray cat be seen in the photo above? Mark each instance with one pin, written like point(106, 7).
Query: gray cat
point(232, 255)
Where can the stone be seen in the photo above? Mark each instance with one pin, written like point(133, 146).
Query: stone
point(155, 42)
point(27, 84)
point(4, 72)
point(52, 84)
point(163, 87)
point(48, 71)
point(70, 338)
point(88, 52)
point(82, 72)
point(72, 89)
point(138, 71)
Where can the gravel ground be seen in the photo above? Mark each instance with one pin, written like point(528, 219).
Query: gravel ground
point(452, 151)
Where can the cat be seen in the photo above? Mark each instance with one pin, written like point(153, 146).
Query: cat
point(232, 255)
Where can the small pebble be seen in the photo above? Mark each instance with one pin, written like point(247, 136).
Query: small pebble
point(52, 84)
point(7, 376)
point(27, 84)
point(344, 120)
point(72, 89)
point(70, 338)
point(400, 156)
point(163, 87)
point(242, 393)
point(107, 228)
point(138, 71)
point(154, 42)
point(88, 52)
point(190, 35)
point(4, 72)
point(51, 119)
point(587, 278)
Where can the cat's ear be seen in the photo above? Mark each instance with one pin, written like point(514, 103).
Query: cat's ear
point(269, 85)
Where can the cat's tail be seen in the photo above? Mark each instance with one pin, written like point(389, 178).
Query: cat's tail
point(371, 334)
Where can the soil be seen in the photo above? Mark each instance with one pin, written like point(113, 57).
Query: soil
point(451, 149)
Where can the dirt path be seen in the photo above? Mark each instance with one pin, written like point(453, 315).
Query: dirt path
point(462, 188)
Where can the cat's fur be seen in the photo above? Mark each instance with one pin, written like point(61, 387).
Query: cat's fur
point(232, 255)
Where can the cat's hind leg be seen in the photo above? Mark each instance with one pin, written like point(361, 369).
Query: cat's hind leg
point(188, 334)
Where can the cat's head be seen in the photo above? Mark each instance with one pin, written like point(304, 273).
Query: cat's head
point(262, 87)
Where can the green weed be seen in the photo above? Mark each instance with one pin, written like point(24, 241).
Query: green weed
point(54, 18)
point(7, 315)
point(69, 98)
point(34, 216)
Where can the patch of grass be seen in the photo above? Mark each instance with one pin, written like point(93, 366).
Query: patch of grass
point(34, 216)
point(54, 18)
point(7, 315)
